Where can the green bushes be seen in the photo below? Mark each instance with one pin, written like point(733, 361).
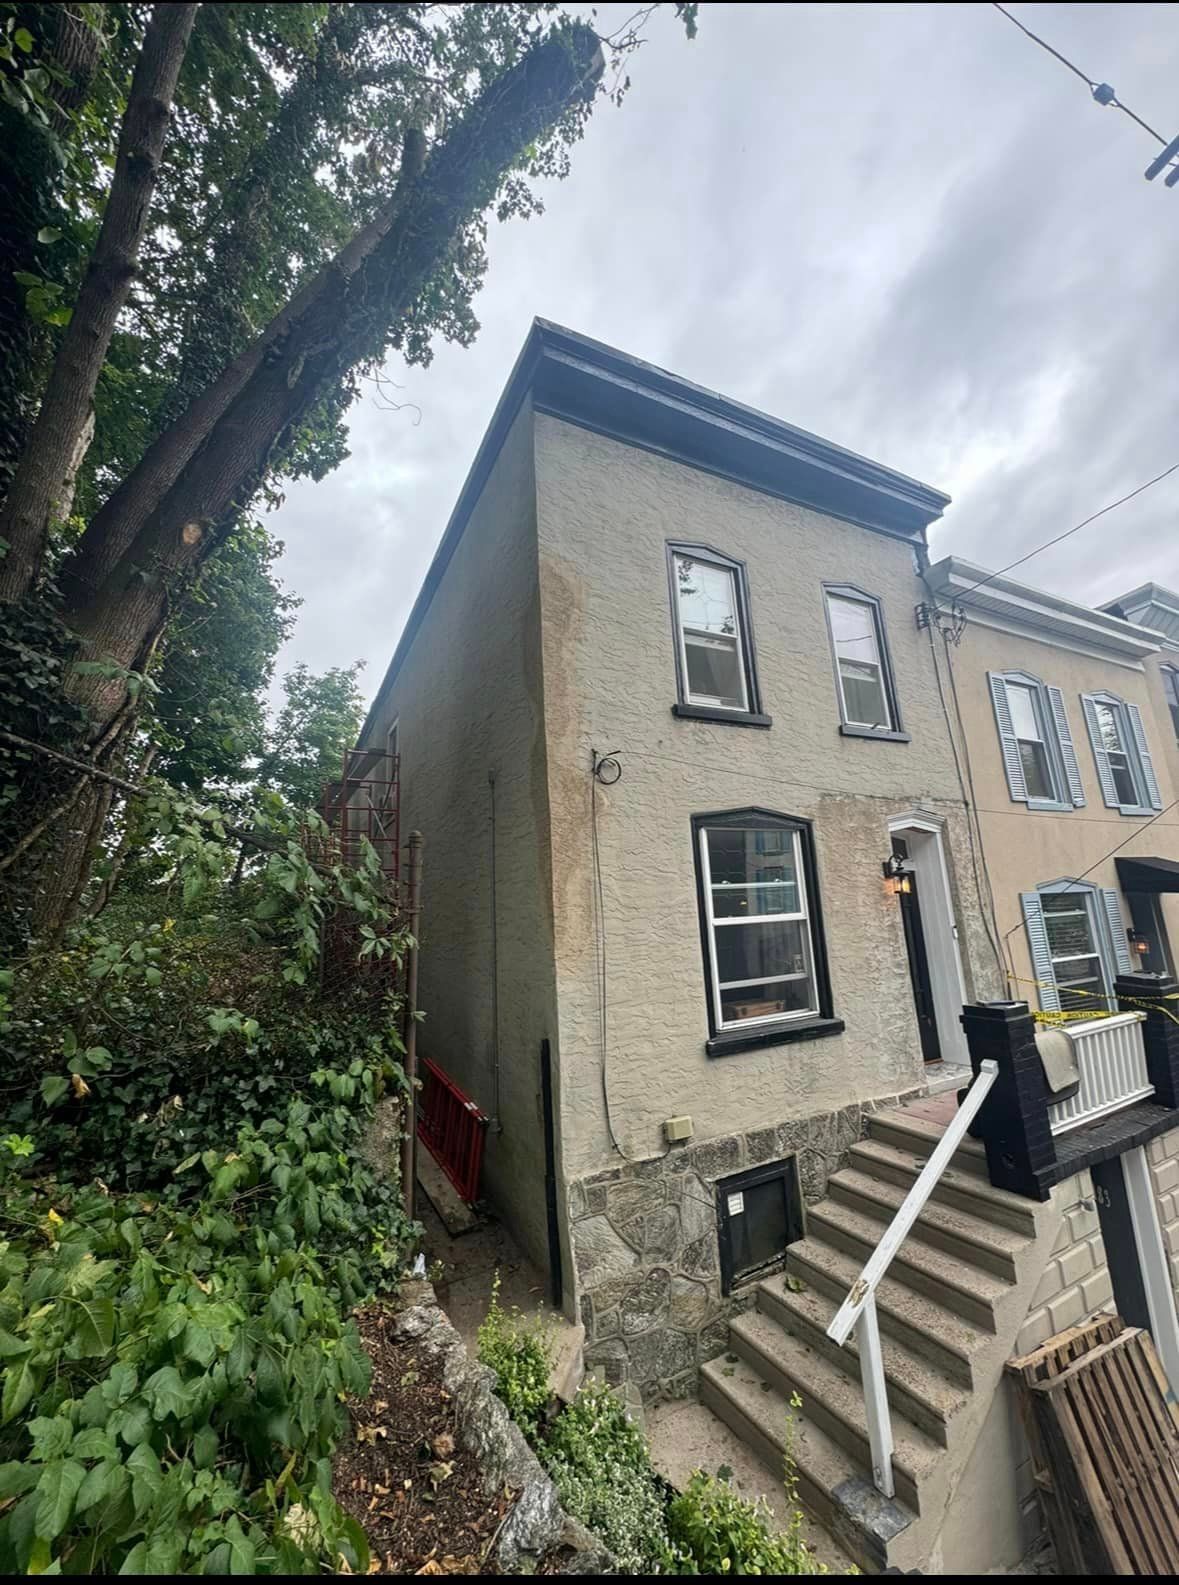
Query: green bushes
point(713, 1530)
point(174, 1366)
point(519, 1354)
point(599, 1463)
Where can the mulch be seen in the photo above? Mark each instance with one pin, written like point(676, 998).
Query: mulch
point(401, 1473)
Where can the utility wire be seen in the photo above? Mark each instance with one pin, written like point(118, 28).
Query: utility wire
point(1102, 92)
point(1076, 528)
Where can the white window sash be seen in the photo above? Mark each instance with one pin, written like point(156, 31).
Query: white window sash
point(717, 985)
point(875, 663)
point(737, 638)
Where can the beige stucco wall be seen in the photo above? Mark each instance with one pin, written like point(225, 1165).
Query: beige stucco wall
point(605, 513)
point(468, 701)
point(1025, 848)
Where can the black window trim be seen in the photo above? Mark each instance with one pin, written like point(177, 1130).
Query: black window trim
point(720, 1042)
point(684, 707)
point(896, 733)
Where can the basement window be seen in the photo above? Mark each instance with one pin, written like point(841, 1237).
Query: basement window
point(758, 1214)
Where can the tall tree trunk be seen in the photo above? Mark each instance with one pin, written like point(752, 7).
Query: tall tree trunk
point(29, 200)
point(39, 485)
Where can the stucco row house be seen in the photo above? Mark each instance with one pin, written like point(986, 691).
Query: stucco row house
point(731, 801)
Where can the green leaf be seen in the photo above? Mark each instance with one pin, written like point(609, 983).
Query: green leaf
point(96, 1329)
point(146, 1477)
point(51, 1436)
point(152, 976)
point(23, 40)
point(204, 1447)
point(56, 1490)
point(166, 1393)
point(49, 235)
point(17, 1478)
point(12, 1347)
point(19, 1386)
point(94, 1443)
point(242, 1551)
point(120, 1384)
point(53, 1088)
point(135, 1426)
point(197, 1344)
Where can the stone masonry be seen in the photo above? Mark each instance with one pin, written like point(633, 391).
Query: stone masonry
point(646, 1250)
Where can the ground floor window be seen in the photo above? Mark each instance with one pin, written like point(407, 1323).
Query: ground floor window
point(1078, 945)
point(758, 1213)
point(759, 920)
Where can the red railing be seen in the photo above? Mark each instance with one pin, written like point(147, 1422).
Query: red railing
point(452, 1128)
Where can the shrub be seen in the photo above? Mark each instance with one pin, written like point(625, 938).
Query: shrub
point(599, 1463)
point(174, 1367)
point(519, 1353)
point(713, 1530)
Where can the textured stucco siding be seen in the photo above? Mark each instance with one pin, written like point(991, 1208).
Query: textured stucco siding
point(468, 698)
point(605, 512)
point(1025, 849)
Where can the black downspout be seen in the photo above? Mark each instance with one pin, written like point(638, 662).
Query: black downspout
point(550, 1174)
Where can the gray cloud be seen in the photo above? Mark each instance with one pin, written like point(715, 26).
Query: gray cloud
point(904, 227)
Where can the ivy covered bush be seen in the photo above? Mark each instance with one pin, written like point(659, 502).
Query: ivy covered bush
point(189, 1217)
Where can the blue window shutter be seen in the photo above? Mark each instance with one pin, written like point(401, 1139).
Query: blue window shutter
point(1104, 775)
point(1033, 913)
point(1016, 784)
point(1117, 929)
point(1153, 797)
point(1068, 754)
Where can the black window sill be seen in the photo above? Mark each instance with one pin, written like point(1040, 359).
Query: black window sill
point(782, 1035)
point(707, 712)
point(846, 729)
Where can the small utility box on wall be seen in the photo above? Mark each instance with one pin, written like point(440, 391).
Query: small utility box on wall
point(759, 1212)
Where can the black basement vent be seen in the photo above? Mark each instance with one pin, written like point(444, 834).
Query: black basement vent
point(759, 1213)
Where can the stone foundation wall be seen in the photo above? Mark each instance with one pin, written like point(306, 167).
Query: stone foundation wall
point(646, 1252)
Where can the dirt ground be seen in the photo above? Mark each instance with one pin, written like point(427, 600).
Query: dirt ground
point(401, 1474)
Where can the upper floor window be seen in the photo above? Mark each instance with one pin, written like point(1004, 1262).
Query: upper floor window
point(1125, 768)
point(1171, 694)
point(867, 697)
point(715, 671)
point(1078, 945)
point(1036, 741)
point(759, 919)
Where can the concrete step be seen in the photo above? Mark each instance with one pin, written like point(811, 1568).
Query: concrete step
point(916, 1387)
point(831, 1399)
point(967, 1290)
point(829, 1482)
point(966, 1191)
point(915, 1134)
point(960, 1233)
point(922, 1324)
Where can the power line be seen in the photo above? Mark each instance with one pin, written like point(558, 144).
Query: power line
point(1076, 528)
point(1102, 92)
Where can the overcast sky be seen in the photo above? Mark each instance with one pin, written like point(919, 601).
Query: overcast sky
point(906, 228)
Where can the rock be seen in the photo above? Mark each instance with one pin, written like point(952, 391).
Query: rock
point(697, 1205)
point(577, 1202)
point(713, 1339)
point(657, 1234)
point(600, 1252)
point(658, 1356)
point(717, 1157)
point(533, 1527)
point(624, 1201)
point(647, 1304)
point(699, 1259)
point(761, 1146)
point(692, 1305)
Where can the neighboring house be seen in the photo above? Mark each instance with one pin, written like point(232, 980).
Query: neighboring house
point(1072, 751)
point(722, 606)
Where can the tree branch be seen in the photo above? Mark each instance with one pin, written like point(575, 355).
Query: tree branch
point(40, 482)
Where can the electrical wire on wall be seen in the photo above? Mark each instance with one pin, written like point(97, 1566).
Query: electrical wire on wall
point(605, 771)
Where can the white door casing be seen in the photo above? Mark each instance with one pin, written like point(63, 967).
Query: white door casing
point(924, 836)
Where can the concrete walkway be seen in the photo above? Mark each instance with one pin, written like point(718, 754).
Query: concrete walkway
point(469, 1264)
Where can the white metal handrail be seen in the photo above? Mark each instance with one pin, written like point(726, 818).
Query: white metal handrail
point(1111, 1058)
point(858, 1310)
